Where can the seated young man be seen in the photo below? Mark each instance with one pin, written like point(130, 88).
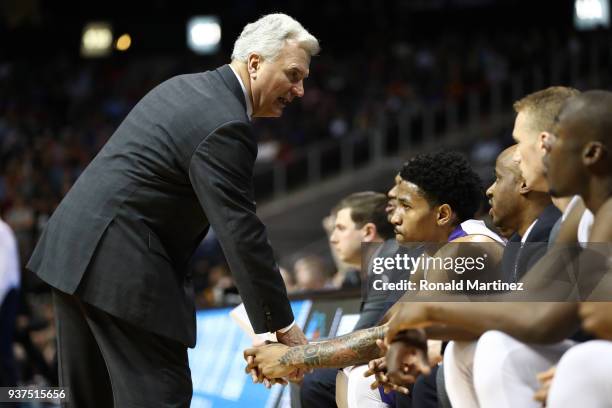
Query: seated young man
point(435, 197)
point(529, 337)
point(359, 217)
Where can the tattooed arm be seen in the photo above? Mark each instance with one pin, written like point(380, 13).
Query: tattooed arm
point(351, 349)
point(277, 360)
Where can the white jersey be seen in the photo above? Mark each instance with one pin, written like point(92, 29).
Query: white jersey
point(474, 227)
point(586, 221)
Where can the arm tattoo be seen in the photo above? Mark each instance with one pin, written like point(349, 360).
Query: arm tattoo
point(351, 349)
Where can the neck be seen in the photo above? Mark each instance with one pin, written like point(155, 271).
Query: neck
point(561, 202)
point(439, 239)
point(598, 191)
point(506, 231)
point(445, 233)
point(243, 72)
point(535, 205)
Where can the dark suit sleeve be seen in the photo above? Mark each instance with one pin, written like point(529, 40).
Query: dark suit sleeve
point(371, 313)
point(221, 174)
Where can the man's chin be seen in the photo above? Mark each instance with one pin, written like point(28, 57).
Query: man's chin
point(272, 113)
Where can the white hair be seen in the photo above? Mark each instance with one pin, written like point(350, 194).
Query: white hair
point(267, 36)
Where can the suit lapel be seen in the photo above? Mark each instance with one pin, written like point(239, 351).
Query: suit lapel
point(545, 221)
point(232, 83)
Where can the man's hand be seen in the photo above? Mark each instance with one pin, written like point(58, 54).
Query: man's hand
point(407, 316)
point(406, 360)
point(545, 378)
point(597, 318)
point(378, 368)
point(258, 377)
point(293, 337)
point(266, 360)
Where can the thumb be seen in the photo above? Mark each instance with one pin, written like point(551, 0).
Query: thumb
point(382, 346)
point(422, 364)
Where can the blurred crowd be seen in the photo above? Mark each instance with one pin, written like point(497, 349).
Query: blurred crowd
point(55, 116)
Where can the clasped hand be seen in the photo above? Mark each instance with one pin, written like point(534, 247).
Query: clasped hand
point(264, 365)
point(264, 362)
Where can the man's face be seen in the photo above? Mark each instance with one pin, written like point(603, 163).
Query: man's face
point(414, 219)
point(279, 81)
point(504, 194)
point(307, 275)
point(529, 153)
point(346, 238)
point(563, 165)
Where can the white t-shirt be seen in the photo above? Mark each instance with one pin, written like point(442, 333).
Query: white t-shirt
point(10, 273)
point(586, 221)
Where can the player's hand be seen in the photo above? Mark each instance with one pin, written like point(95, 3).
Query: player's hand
point(407, 316)
point(257, 375)
point(252, 369)
point(597, 318)
point(378, 368)
point(545, 378)
point(266, 360)
point(406, 358)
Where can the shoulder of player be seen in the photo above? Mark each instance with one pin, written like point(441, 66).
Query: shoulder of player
point(474, 238)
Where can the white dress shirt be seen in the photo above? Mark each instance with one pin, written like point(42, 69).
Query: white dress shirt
point(249, 105)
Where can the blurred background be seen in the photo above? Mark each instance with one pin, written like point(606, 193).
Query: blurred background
point(394, 78)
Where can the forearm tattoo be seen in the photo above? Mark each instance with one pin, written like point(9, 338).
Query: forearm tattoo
point(351, 349)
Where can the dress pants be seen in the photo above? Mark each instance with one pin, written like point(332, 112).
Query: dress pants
point(107, 362)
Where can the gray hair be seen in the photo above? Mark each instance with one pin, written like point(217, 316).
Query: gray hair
point(267, 37)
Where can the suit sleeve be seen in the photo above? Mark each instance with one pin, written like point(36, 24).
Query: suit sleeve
point(220, 171)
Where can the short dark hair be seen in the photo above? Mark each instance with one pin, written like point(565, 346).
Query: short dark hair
point(368, 206)
point(446, 178)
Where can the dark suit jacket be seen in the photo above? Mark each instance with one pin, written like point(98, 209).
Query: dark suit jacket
point(180, 162)
point(520, 257)
point(374, 304)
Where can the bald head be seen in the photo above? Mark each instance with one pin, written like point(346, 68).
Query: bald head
point(588, 116)
point(507, 161)
point(505, 195)
point(579, 152)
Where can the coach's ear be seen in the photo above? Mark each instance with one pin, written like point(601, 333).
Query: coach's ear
point(253, 62)
point(444, 215)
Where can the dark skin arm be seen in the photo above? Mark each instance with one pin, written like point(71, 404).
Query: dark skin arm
point(532, 322)
point(445, 332)
point(528, 322)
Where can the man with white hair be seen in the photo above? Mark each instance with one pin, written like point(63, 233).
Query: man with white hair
point(116, 249)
